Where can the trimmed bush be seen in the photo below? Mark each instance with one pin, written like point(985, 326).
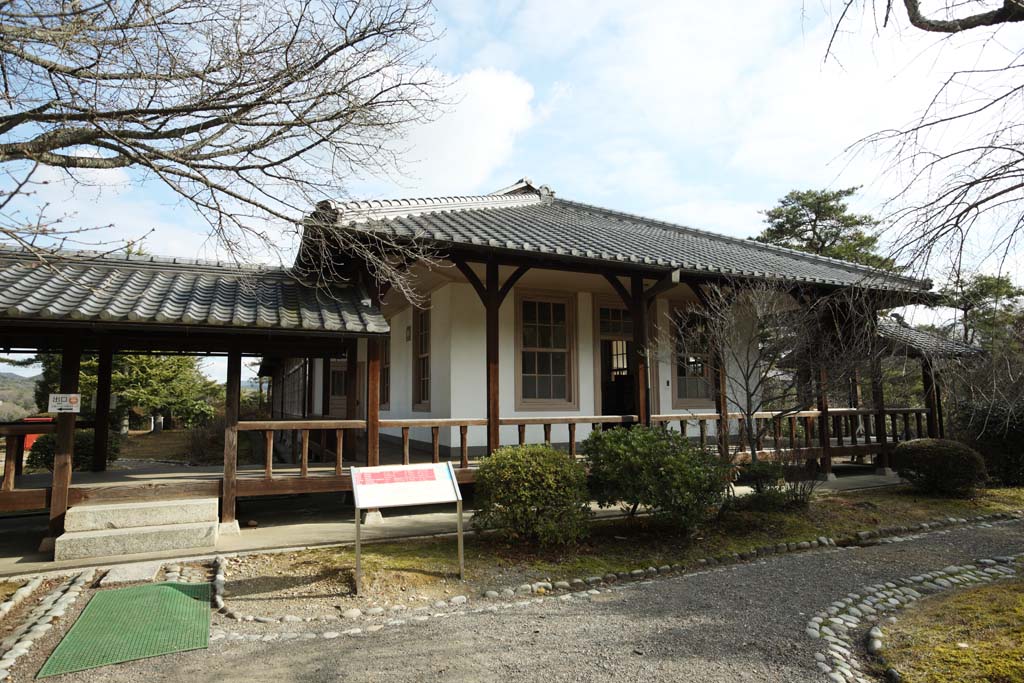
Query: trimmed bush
point(940, 466)
point(41, 455)
point(996, 430)
point(533, 493)
point(656, 469)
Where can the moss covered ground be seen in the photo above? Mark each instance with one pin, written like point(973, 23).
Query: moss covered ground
point(970, 636)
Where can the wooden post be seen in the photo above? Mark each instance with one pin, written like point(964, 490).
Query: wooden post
point(372, 401)
point(325, 402)
point(11, 455)
point(351, 375)
point(930, 397)
point(722, 408)
point(463, 447)
point(232, 394)
point(492, 305)
point(938, 407)
point(70, 364)
point(640, 341)
point(824, 428)
point(101, 433)
point(878, 397)
point(304, 461)
point(268, 454)
point(339, 451)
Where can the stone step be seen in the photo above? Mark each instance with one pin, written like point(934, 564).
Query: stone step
point(78, 545)
point(132, 515)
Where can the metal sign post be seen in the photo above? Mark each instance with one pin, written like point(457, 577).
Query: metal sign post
point(400, 486)
point(359, 553)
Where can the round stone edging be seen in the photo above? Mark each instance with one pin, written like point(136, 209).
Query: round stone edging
point(17, 596)
point(40, 620)
point(585, 587)
point(837, 625)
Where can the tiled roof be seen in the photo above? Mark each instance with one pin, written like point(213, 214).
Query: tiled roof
point(525, 218)
point(922, 342)
point(90, 287)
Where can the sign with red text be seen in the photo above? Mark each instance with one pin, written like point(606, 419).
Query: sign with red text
point(400, 485)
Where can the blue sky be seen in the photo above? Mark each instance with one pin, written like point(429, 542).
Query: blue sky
point(696, 112)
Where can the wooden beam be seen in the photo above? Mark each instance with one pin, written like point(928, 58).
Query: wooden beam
point(101, 432)
point(640, 343)
point(824, 429)
point(506, 288)
point(232, 395)
point(372, 402)
point(623, 293)
point(492, 306)
point(663, 285)
point(472, 278)
point(351, 377)
point(70, 365)
point(930, 397)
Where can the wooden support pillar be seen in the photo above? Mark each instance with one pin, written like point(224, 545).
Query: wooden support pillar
point(721, 407)
point(13, 453)
point(372, 402)
point(931, 401)
point(325, 402)
point(101, 438)
point(824, 428)
point(878, 397)
point(640, 343)
point(492, 305)
point(351, 377)
point(938, 407)
point(232, 395)
point(70, 364)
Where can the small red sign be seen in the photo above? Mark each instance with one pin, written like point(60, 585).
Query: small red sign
point(394, 476)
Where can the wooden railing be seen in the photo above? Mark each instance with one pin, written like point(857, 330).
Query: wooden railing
point(13, 434)
point(302, 428)
point(803, 429)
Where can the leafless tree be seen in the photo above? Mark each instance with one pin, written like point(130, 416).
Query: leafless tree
point(250, 111)
point(766, 340)
point(959, 165)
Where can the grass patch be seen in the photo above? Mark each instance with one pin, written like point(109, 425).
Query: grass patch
point(165, 445)
point(7, 589)
point(623, 544)
point(927, 644)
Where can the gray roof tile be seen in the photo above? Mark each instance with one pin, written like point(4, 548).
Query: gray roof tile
point(532, 220)
point(84, 286)
point(922, 342)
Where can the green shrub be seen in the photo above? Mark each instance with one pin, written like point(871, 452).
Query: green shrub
point(996, 430)
point(41, 455)
point(940, 466)
point(656, 469)
point(534, 493)
point(763, 475)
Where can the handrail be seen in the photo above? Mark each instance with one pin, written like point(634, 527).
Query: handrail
point(569, 419)
point(26, 428)
point(285, 425)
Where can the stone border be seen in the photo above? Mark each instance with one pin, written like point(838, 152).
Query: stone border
point(837, 626)
point(41, 619)
point(581, 587)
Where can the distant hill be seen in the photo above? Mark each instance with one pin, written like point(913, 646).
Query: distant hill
point(16, 393)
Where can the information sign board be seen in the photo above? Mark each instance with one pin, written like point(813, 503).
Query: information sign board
point(65, 403)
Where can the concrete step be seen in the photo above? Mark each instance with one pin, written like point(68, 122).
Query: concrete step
point(78, 545)
point(132, 515)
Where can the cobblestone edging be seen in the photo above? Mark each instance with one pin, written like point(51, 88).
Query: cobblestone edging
point(377, 618)
point(17, 596)
point(41, 619)
point(852, 626)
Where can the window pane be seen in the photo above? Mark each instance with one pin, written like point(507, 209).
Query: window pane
point(530, 336)
point(543, 387)
point(558, 313)
point(529, 364)
point(529, 311)
point(557, 363)
point(529, 387)
point(558, 387)
point(543, 312)
point(543, 363)
point(558, 338)
point(544, 337)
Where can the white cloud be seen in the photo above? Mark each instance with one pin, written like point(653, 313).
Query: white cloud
point(460, 151)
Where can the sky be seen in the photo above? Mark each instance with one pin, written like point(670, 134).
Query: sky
point(697, 112)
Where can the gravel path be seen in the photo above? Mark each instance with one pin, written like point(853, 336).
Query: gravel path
point(740, 623)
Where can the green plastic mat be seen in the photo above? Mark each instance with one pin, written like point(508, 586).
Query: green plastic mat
point(125, 624)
